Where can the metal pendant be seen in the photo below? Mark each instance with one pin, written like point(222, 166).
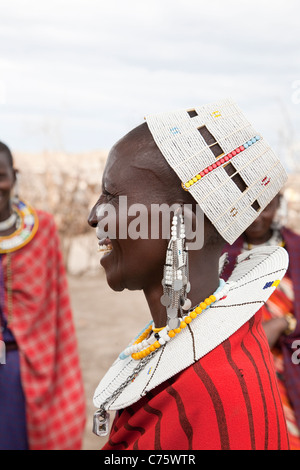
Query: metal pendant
point(172, 312)
point(173, 323)
point(177, 285)
point(187, 305)
point(165, 300)
point(101, 423)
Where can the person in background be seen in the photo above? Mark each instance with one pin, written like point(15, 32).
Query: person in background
point(42, 404)
point(281, 313)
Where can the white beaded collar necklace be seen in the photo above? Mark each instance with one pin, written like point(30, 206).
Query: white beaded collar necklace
point(253, 280)
point(8, 223)
point(26, 228)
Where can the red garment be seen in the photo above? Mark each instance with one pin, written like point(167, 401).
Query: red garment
point(43, 327)
point(291, 370)
point(279, 304)
point(228, 400)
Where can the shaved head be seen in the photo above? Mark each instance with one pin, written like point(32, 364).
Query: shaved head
point(137, 171)
point(147, 157)
point(163, 183)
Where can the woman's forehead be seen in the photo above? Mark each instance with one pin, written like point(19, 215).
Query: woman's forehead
point(4, 159)
point(130, 160)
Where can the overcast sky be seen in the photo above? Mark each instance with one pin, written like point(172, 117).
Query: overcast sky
point(76, 75)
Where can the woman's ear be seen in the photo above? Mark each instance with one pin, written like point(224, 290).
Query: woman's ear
point(16, 185)
point(15, 172)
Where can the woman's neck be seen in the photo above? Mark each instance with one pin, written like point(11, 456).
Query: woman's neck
point(203, 277)
point(5, 213)
point(260, 240)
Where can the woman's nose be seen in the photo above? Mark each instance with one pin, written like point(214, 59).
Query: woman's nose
point(92, 219)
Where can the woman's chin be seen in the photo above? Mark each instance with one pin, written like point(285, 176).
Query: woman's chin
point(112, 277)
point(114, 284)
point(255, 235)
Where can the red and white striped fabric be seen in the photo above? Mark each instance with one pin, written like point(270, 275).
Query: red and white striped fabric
point(213, 386)
point(228, 400)
point(43, 328)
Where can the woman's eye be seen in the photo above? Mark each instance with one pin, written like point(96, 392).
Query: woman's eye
point(107, 195)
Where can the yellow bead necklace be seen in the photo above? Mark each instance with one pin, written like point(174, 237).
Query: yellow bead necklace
point(160, 336)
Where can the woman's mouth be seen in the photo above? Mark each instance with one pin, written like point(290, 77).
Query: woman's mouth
point(105, 245)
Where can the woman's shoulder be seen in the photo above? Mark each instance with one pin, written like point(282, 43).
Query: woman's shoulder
point(290, 234)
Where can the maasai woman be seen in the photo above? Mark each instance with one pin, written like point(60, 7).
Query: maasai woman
point(281, 314)
point(41, 392)
point(200, 375)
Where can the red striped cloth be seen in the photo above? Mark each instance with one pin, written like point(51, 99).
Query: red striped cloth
point(291, 370)
point(229, 399)
point(279, 304)
point(43, 327)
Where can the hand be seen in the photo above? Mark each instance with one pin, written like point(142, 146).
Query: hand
point(292, 324)
point(274, 329)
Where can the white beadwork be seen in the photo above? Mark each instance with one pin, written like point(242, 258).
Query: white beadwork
point(8, 223)
point(230, 210)
point(240, 300)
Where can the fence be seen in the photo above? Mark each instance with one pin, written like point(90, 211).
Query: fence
point(66, 186)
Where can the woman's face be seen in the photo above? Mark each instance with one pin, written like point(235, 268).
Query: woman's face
point(133, 264)
point(7, 181)
point(260, 230)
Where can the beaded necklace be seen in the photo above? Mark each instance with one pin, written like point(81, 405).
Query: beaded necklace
point(26, 221)
point(151, 338)
point(146, 344)
point(8, 223)
point(27, 225)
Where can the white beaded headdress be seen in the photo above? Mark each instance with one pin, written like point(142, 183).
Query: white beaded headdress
point(222, 161)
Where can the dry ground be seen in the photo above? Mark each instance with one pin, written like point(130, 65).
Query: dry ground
point(105, 322)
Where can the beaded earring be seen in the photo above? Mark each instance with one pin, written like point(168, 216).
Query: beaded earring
point(175, 282)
